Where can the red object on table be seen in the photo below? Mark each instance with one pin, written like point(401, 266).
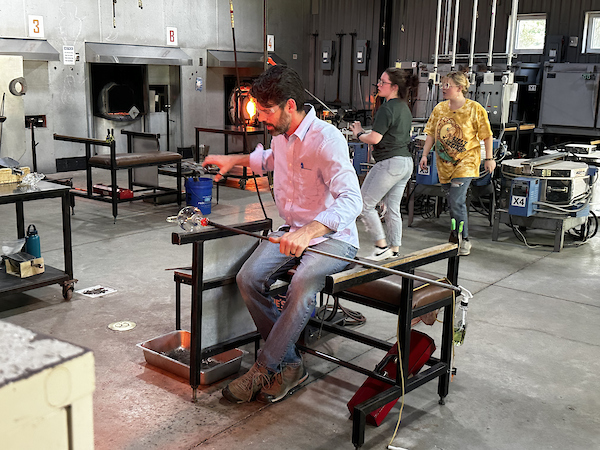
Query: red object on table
point(107, 190)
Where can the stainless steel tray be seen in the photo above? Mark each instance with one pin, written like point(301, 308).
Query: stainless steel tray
point(171, 352)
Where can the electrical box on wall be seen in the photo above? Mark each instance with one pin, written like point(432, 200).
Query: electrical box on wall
point(361, 57)
point(327, 55)
point(555, 48)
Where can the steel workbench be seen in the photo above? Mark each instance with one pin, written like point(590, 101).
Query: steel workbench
point(19, 193)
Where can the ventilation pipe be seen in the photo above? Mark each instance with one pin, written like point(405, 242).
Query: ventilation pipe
point(448, 15)
point(492, 28)
point(508, 76)
point(472, 52)
point(437, 41)
point(513, 33)
point(454, 38)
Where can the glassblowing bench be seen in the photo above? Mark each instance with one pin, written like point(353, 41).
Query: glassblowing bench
point(407, 299)
point(403, 296)
point(211, 279)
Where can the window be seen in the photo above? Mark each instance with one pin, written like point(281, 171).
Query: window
point(530, 35)
point(591, 33)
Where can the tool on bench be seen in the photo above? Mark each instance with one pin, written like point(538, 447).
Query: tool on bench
point(456, 235)
point(189, 219)
point(197, 169)
point(453, 236)
point(11, 164)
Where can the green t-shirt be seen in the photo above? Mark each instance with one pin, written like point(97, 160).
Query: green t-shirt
point(392, 120)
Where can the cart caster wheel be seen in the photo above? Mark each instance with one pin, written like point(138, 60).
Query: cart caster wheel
point(442, 401)
point(68, 292)
point(242, 184)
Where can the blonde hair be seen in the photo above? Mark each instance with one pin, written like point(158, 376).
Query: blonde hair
point(460, 79)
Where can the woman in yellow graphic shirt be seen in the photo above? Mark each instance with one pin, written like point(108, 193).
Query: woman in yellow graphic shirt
point(455, 129)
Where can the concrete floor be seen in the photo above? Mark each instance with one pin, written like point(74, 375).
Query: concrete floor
point(527, 373)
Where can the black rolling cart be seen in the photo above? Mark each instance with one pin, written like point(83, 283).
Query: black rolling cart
point(19, 194)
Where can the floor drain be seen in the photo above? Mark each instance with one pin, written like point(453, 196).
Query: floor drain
point(123, 325)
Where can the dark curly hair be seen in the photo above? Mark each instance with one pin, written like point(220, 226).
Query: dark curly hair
point(276, 85)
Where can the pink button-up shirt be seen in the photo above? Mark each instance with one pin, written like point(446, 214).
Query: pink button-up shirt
point(313, 178)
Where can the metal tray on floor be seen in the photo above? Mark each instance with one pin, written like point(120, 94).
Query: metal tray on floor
point(171, 352)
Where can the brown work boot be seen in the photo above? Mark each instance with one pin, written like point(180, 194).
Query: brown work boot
point(245, 388)
point(283, 384)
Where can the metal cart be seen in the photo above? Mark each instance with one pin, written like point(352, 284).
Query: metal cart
point(18, 194)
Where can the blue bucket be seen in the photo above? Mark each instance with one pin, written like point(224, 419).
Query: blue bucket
point(199, 193)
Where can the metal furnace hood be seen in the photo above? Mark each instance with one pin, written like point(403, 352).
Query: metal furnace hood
point(226, 58)
point(29, 49)
point(96, 52)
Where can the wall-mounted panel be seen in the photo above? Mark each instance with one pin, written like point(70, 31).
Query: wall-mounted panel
point(345, 22)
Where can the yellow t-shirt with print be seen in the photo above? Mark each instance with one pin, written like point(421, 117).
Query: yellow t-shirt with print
point(457, 137)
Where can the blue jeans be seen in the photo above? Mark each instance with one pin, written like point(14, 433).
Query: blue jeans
point(281, 330)
point(386, 180)
point(456, 194)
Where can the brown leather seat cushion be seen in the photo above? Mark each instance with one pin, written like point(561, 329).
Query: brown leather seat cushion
point(389, 290)
point(135, 159)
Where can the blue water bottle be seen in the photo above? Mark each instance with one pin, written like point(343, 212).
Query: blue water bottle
point(32, 245)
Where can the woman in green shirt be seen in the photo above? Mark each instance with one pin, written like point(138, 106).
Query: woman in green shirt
point(393, 167)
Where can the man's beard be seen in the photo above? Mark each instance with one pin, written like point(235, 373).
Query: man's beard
point(282, 126)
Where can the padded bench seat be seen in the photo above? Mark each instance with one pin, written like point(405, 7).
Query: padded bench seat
point(389, 290)
point(386, 290)
point(125, 160)
point(143, 151)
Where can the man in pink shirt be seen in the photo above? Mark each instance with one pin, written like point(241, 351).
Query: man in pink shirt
point(318, 196)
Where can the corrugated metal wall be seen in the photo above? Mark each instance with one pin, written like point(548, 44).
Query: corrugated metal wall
point(412, 26)
point(413, 36)
point(344, 16)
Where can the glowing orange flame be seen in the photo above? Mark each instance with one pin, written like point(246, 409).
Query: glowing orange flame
point(251, 108)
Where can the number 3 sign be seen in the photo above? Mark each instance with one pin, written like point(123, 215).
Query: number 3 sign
point(36, 26)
